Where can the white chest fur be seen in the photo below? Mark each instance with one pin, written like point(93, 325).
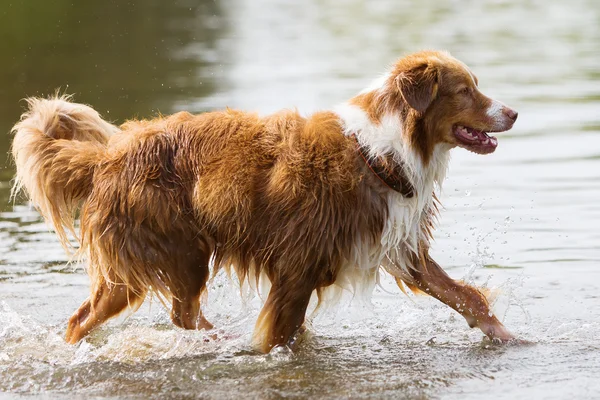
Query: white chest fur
point(403, 226)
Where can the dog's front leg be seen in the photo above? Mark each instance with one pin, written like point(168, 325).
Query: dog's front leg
point(430, 278)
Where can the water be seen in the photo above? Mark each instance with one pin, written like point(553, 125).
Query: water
point(523, 221)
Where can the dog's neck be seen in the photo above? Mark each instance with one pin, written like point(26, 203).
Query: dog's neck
point(384, 138)
point(389, 171)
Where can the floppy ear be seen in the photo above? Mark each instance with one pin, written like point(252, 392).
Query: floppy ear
point(418, 86)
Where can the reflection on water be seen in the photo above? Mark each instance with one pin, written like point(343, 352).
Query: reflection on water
point(523, 220)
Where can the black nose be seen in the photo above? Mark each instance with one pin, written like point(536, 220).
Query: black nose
point(510, 113)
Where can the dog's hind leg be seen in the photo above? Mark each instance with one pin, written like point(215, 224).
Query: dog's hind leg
point(107, 301)
point(188, 290)
point(282, 317)
point(430, 278)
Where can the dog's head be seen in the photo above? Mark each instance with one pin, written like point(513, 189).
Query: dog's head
point(441, 101)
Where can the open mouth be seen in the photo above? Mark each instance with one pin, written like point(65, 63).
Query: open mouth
point(473, 140)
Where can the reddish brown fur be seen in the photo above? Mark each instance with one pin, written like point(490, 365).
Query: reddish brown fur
point(283, 195)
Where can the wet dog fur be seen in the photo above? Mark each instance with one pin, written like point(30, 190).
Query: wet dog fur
point(282, 196)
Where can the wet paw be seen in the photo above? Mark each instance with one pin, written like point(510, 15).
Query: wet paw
point(204, 324)
point(73, 334)
point(297, 338)
point(514, 341)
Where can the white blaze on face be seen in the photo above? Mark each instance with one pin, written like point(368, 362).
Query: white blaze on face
point(494, 111)
point(469, 72)
point(472, 78)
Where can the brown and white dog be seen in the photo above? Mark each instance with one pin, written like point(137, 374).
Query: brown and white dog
point(306, 201)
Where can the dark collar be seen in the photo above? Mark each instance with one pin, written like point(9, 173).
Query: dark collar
point(389, 172)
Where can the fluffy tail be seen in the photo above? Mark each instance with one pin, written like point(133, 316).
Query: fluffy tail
point(56, 148)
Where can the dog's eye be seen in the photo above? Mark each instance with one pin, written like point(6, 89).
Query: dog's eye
point(465, 90)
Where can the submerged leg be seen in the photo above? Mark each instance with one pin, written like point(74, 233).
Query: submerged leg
point(186, 312)
point(281, 320)
point(106, 302)
point(430, 278)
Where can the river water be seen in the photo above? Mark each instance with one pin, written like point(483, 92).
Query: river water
point(522, 221)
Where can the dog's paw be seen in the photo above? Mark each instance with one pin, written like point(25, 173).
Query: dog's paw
point(514, 341)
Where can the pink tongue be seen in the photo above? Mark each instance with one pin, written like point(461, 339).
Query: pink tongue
point(482, 135)
point(479, 136)
point(477, 141)
point(466, 135)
